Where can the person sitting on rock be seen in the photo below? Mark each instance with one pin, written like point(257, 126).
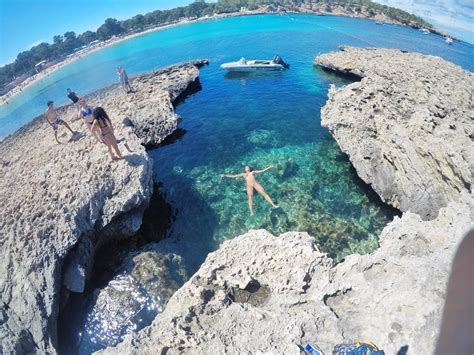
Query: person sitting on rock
point(85, 112)
point(52, 118)
point(103, 124)
point(252, 183)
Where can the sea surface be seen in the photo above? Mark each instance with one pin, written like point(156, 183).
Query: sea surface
point(235, 120)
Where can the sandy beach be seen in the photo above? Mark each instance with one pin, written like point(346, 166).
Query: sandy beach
point(339, 11)
point(72, 58)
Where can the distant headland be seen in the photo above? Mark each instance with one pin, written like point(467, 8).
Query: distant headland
point(44, 58)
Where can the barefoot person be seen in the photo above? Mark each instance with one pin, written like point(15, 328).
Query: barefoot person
point(52, 118)
point(124, 80)
point(85, 112)
point(103, 124)
point(252, 183)
point(72, 96)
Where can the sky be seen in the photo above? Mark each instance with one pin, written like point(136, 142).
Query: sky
point(453, 16)
point(25, 23)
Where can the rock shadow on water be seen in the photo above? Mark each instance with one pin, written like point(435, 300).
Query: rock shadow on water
point(335, 77)
point(195, 223)
point(133, 279)
point(389, 211)
point(82, 327)
point(174, 137)
point(192, 89)
point(143, 284)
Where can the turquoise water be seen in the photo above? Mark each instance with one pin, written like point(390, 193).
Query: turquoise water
point(219, 41)
point(236, 120)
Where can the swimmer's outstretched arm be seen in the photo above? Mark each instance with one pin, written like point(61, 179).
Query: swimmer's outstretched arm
point(263, 170)
point(232, 176)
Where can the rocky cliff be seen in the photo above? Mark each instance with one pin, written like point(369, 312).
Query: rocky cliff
point(264, 294)
point(407, 125)
point(59, 202)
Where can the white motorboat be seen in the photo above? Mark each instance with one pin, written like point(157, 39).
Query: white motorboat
point(449, 40)
point(244, 65)
point(425, 31)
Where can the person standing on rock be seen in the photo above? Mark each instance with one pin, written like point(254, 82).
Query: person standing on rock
point(124, 80)
point(85, 112)
point(72, 96)
point(103, 124)
point(252, 183)
point(53, 119)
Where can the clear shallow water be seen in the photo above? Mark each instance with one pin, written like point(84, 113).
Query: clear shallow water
point(234, 121)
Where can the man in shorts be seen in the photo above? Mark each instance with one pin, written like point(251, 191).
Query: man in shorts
point(72, 96)
point(52, 118)
point(124, 80)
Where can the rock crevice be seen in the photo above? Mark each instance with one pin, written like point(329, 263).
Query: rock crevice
point(61, 202)
point(393, 296)
point(407, 126)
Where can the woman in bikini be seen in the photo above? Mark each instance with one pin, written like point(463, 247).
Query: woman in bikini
point(252, 183)
point(85, 112)
point(103, 124)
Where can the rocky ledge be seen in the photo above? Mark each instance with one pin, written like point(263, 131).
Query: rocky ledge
point(407, 125)
point(264, 294)
point(60, 202)
point(406, 128)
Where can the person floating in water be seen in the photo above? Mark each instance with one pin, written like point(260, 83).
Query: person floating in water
point(52, 118)
point(124, 80)
point(102, 122)
point(252, 183)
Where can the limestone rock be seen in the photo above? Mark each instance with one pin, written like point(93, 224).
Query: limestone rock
point(60, 202)
point(264, 294)
point(149, 108)
point(407, 126)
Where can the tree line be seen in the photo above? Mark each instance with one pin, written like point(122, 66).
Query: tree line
point(70, 42)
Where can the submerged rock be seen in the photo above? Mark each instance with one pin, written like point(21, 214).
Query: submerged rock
point(143, 285)
point(260, 293)
point(263, 138)
point(60, 202)
point(407, 126)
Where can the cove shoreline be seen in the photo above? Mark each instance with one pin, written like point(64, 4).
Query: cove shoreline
point(413, 244)
point(261, 11)
point(62, 202)
point(258, 286)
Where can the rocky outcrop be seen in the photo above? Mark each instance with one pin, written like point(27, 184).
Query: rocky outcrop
point(150, 107)
point(264, 294)
point(407, 125)
point(59, 202)
point(406, 128)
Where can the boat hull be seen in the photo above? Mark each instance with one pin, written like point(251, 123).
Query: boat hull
point(249, 68)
